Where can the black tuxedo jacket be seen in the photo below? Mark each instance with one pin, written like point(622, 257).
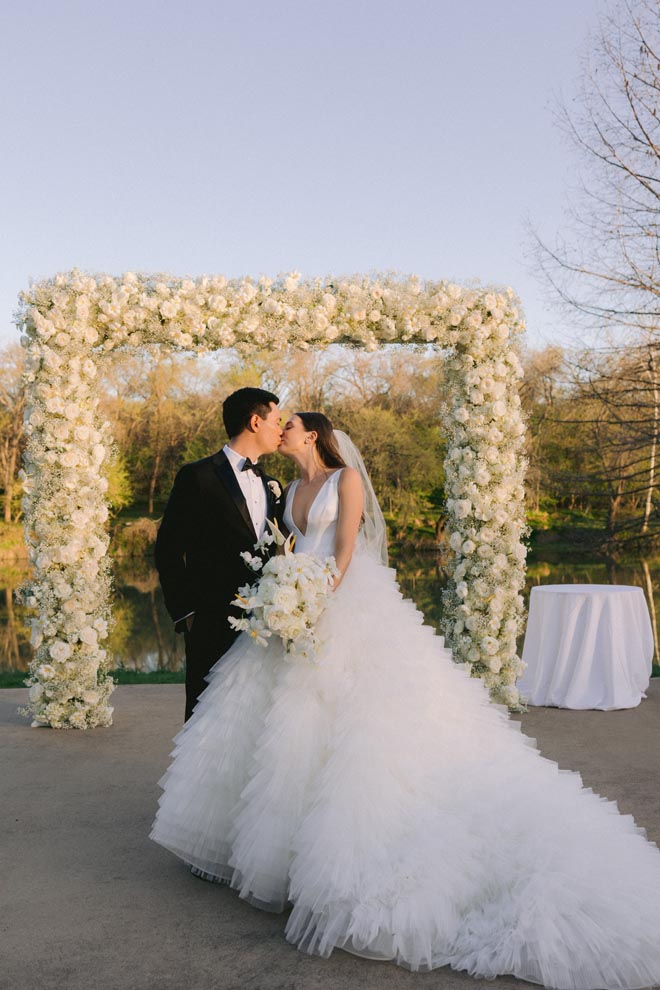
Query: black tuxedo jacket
point(205, 527)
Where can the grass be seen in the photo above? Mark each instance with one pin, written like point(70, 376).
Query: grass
point(12, 678)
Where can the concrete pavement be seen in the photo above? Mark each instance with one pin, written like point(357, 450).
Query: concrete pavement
point(88, 902)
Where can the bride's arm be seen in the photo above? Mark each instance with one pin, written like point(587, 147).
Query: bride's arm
point(349, 490)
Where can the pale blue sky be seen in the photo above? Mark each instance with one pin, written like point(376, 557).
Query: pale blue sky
point(257, 137)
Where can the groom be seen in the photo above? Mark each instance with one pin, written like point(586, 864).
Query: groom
point(217, 509)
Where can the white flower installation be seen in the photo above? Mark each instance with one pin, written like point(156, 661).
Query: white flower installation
point(70, 321)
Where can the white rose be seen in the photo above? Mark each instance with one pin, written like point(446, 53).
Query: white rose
point(88, 636)
point(60, 430)
point(60, 651)
point(468, 547)
point(285, 597)
point(462, 508)
point(456, 541)
point(169, 309)
point(36, 417)
point(460, 571)
point(54, 404)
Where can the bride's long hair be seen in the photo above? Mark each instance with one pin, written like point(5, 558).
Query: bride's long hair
point(326, 445)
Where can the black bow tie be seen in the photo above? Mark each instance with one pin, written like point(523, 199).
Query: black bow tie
point(250, 466)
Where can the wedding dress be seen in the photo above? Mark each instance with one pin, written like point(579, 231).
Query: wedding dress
point(403, 815)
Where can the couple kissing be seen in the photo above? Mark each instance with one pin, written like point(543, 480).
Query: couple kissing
point(218, 508)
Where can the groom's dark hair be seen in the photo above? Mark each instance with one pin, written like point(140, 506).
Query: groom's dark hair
point(239, 408)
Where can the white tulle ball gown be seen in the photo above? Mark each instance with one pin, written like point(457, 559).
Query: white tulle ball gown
point(397, 811)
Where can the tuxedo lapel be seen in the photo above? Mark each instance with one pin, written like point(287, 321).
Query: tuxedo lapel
point(270, 498)
point(225, 474)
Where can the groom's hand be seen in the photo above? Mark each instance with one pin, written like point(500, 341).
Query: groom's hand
point(189, 621)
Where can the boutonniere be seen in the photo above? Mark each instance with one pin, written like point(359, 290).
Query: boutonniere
point(275, 488)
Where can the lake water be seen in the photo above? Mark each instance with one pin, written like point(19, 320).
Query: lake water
point(143, 638)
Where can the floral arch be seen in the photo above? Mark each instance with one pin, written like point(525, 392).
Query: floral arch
point(69, 322)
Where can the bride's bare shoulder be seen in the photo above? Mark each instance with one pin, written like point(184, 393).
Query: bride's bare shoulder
point(349, 481)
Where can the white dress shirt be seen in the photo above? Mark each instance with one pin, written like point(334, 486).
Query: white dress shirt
point(254, 491)
point(252, 487)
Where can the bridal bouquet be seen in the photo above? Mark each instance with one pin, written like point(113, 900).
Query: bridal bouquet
point(289, 596)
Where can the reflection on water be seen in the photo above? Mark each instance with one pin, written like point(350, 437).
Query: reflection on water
point(143, 638)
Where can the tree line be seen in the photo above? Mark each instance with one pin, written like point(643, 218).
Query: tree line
point(593, 422)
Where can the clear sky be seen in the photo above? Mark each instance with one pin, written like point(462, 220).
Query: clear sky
point(253, 137)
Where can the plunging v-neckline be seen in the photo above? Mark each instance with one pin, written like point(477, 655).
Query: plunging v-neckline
point(311, 504)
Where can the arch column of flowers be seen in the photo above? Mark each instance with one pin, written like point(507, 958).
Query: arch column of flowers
point(71, 321)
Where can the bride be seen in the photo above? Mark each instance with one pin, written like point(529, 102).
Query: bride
point(382, 796)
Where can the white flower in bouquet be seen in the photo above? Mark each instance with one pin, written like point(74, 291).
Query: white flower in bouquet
point(288, 599)
point(253, 562)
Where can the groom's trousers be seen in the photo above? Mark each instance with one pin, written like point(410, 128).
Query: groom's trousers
point(210, 637)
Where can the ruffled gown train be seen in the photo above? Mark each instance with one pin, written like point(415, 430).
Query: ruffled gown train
point(398, 811)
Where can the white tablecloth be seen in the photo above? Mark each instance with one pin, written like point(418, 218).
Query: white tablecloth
point(587, 646)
